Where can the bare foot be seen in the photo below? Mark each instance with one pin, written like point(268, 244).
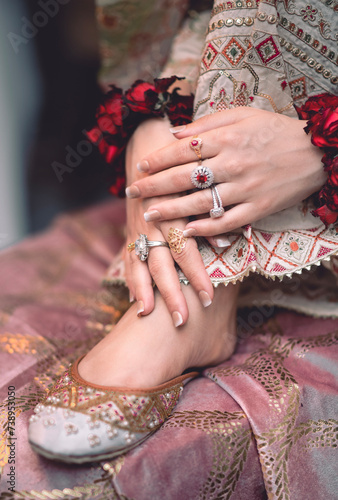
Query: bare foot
point(147, 351)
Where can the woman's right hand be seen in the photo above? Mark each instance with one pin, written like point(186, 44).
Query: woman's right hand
point(160, 265)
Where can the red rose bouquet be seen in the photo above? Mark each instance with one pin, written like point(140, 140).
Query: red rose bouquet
point(121, 113)
point(321, 111)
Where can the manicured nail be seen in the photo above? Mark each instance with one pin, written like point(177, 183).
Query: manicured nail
point(177, 318)
point(187, 233)
point(143, 166)
point(176, 130)
point(133, 192)
point(152, 215)
point(140, 308)
point(222, 242)
point(204, 298)
point(131, 297)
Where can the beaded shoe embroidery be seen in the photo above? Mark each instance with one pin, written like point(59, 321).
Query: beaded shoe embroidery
point(80, 422)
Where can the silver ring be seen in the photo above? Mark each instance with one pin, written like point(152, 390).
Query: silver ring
point(202, 177)
point(217, 210)
point(142, 245)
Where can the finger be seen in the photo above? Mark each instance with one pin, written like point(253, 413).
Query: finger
point(220, 240)
point(162, 268)
point(179, 153)
point(186, 254)
point(142, 285)
point(178, 179)
point(236, 217)
point(210, 122)
point(128, 276)
point(196, 203)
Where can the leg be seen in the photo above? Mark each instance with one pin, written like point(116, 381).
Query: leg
point(147, 351)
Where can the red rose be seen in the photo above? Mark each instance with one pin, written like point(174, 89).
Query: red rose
point(162, 84)
point(138, 97)
point(326, 215)
point(180, 108)
point(316, 103)
point(324, 129)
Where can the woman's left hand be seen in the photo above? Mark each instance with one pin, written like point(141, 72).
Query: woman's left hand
point(262, 163)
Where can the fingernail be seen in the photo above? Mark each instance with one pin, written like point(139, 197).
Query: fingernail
point(187, 233)
point(177, 318)
point(133, 192)
point(205, 298)
point(143, 166)
point(222, 242)
point(152, 215)
point(131, 297)
point(140, 308)
point(176, 130)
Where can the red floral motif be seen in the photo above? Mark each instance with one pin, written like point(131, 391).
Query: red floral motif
point(322, 114)
point(121, 112)
point(308, 13)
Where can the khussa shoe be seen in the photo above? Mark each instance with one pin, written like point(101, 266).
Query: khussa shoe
point(81, 422)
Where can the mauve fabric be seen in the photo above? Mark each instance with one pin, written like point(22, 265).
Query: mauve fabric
point(262, 424)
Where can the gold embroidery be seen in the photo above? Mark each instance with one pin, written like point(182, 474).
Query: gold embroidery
point(101, 489)
point(310, 61)
point(228, 433)
point(242, 21)
point(308, 39)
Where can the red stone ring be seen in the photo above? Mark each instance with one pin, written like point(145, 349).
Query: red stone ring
point(202, 177)
point(196, 144)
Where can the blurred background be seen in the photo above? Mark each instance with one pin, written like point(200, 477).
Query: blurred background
point(48, 93)
point(57, 58)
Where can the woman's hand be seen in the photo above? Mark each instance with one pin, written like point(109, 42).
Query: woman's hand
point(262, 163)
point(160, 265)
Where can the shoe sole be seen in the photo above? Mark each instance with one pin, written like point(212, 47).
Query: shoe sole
point(71, 459)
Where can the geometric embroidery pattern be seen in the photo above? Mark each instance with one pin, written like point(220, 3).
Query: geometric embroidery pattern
point(233, 52)
point(267, 50)
point(298, 88)
point(270, 253)
point(209, 55)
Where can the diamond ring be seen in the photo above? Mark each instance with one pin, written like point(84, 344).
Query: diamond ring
point(142, 245)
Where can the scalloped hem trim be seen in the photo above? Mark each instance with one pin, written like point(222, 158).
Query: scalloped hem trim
point(240, 276)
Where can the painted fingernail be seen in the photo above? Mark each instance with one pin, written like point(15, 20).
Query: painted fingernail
point(133, 192)
point(222, 242)
point(152, 215)
point(176, 130)
point(187, 233)
point(177, 318)
point(205, 298)
point(143, 166)
point(131, 297)
point(140, 308)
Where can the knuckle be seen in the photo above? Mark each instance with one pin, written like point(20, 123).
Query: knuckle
point(182, 152)
point(205, 202)
point(155, 266)
point(235, 166)
point(179, 179)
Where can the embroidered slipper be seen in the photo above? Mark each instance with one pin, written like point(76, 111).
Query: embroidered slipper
point(80, 422)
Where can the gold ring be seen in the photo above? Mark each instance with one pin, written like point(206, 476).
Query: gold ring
point(196, 144)
point(176, 240)
point(131, 247)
